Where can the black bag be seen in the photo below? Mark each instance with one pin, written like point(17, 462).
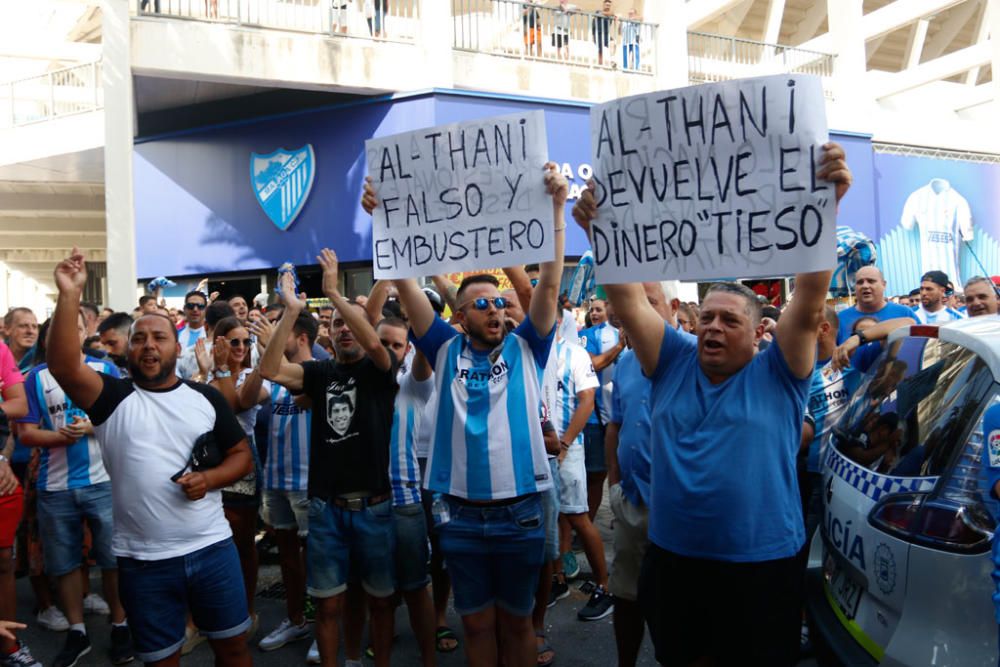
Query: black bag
point(205, 455)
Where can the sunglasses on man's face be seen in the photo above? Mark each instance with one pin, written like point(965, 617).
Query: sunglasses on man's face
point(239, 342)
point(482, 303)
point(191, 305)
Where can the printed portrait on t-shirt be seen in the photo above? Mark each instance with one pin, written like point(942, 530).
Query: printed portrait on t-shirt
point(340, 404)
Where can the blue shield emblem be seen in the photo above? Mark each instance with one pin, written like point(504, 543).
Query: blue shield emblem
point(281, 181)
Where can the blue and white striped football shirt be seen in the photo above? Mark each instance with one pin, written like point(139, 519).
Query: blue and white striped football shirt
point(574, 373)
point(829, 395)
point(75, 466)
point(287, 465)
point(404, 469)
point(187, 336)
point(487, 442)
point(938, 317)
point(598, 340)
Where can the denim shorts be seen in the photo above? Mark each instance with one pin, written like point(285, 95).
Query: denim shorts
point(494, 554)
point(412, 548)
point(285, 510)
point(157, 595)
point(593, 446)
point(550, 502)
point(60, 520)
point(341, 539)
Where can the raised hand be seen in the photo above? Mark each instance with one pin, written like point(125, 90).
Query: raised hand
point(328, 260)
point(368, 199)
point(287, 293)
point(203, 357)
point(556, 184)
point(833, 168)
point(585, 209)
point(71, 273)
point(262, 328)
point(220, 353)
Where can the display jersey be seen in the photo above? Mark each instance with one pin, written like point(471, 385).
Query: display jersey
point(404, 469)
point(724, 483)
point(849, 316)
point(187, 336)
point(630, 410)
point(573, 373)
point(944, 220)
point(828, 398)
point(146, 438)
point(287, 464)
point(487, 442)
point(598, 340)
point(351, 422)
point(74, 466)
point(939, 317)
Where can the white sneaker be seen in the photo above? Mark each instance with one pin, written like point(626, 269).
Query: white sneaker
point(284, 633)
point(52, 619)
point(95, 604)
point(312, 657)
point(20, 658)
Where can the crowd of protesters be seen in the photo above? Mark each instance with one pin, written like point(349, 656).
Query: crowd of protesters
point(420, 444)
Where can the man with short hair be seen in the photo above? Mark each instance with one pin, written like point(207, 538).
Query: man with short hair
point(325, 315)
point(488, 457)
point(980, 297)
point(934, 287)
point(173, 543)
point(350, 511)
point(725, 521)
point(73, 488)
point(22, 336)
point(239, 305)
point(114, 332)
point(91, 314)
point(195, 303)
point(869, 290)
point(187, 365)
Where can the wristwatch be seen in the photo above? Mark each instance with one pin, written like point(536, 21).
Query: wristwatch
point(862, 339)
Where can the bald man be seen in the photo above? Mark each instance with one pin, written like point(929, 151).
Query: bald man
point(869, 289)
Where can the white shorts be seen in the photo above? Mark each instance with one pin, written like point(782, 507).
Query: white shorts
point(631, 541)
point(573, 482)
point(339, 12)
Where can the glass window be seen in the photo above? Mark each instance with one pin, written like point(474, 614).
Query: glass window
point(915, 406)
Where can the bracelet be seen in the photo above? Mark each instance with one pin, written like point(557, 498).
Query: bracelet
point(559, 229)
point(563, 444)
point(223, 374)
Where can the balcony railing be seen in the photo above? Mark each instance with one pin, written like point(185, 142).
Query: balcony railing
point(529, 31)
point(392, 20)
point(55, 94)
point(714, 58)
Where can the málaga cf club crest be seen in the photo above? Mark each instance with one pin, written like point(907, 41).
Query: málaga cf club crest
point(281, 181)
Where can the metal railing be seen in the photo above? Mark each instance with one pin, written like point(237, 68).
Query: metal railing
point(714, 58)
point(393, 20)
point(531, 31)
point(62, 92)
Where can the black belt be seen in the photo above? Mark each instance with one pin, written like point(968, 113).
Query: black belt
point(491, 503)
point(358, 504)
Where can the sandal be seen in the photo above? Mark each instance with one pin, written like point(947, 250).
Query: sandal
point(444, 633)
point(543, 648)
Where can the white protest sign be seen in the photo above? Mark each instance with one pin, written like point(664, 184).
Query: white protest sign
point(461, 197)
point(713, 181)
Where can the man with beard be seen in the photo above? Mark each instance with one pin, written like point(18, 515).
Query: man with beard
point(933, 308)
point(114, 337)
point(487, 457)
point(173, 543)
point(980, 297)
point(869, 288)
point(350, 513)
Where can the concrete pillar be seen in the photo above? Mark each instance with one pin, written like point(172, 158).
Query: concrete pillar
point(119, 129)
point(670, 17)
point(435, 38)
point(850, 67)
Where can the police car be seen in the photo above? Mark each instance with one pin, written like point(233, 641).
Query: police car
point(900, 566)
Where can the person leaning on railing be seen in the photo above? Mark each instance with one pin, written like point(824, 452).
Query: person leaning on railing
point(630, 40)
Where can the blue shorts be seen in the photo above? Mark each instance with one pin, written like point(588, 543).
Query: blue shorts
point(593, 448)
point(157, 595)
point(494, 554)
point(340, 538)
point(60, 521)
point(550, 501)
point(412, 548)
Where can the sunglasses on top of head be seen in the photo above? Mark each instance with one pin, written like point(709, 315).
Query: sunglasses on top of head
point(482, 303)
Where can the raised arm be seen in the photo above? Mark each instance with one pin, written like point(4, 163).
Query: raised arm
point(356, 321)
point(376, 299)
point(447, 289)
point(644, 324)
point(545, 301)
point(80, 382)
point(521, 284)
point(797, 328)
point(272, 363)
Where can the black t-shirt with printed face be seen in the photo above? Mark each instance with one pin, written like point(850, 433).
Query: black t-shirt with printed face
point(351, 425)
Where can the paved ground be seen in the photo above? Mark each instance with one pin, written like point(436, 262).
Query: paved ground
point(577, 644)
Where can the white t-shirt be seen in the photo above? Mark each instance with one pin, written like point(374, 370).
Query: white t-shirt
point(146, 438)
point(248, 418)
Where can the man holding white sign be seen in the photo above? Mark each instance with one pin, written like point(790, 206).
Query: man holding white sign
point(457, 197)
point(725, 518)
point(487, 458)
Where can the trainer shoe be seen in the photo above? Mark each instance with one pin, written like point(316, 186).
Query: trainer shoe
point(571, 568)
point(52, 619)
point(191, 640)
point(20, 658)
point(560, 590)
point(95, 604)
point(312, 657)
point(284, 633)
point(77, 645)
point(121, 651)
point(600, 604)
